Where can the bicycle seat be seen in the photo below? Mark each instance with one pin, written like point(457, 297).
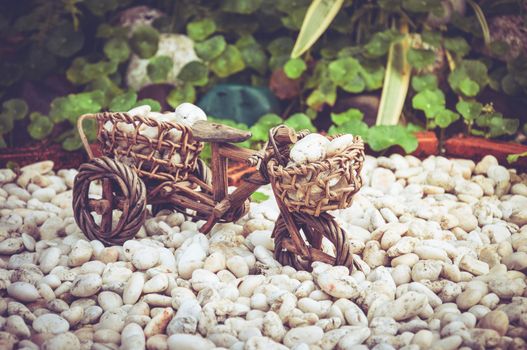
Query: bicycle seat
point(205, 131)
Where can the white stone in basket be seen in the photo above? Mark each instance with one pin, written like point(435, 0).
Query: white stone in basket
point(188, 113)
point(312, 148)
point(339, 144)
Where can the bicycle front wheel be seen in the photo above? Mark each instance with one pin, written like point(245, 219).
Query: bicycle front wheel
point(314, 229)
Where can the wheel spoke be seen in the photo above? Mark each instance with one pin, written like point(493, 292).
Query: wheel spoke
point(106, 221)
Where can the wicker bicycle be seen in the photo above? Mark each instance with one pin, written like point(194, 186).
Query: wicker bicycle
point(136, 170)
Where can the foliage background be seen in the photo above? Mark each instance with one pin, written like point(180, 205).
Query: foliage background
point(60, 59)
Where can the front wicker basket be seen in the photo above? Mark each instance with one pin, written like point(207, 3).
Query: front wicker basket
point(317, 187)
point(152, 158)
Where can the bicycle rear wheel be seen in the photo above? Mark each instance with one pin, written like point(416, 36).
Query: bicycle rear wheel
point(122, 191)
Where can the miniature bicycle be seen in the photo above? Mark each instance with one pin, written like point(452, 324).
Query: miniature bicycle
point(136, 170)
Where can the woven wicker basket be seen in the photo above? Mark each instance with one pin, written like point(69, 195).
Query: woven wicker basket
point(170, 156)
point(317, 187)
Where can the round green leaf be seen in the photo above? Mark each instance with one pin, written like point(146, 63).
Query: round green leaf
point(201, 30)
point(72, 143)
point(159, 67)
point(63, 40)
point(354, 127)
point(343, 70)
point(40, 127)
point(472, 70)
point(228, 63)
point(420, 58)
point(183, 93)
point(253, 54)
point(300, 121)
point(16, 108)
point(381, 137)
point(72, 106)
point(195, 73)
point(350, 114)
point(424, 82)
point(117, 50)
point(6, 123)
point(294, 68)
point(211, 48)
point(144, 41)
point(445, 117)
point(124, 102)
point(423, 6)
point(429, 101)
point(469, 87)
point(457, 45)
point(469, 110)
point(380, 42)
point(241, 6)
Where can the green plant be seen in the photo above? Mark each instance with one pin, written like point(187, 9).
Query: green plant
point(378, 137)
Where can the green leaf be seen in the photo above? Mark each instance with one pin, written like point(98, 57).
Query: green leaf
point(300, 121)
point(343, 70)
point(279, 49)
point(458, 45)
point(253, 54)
point(195, 73)
point(380, 42)
point(228, 63)
point(445, 117)
point(159, 67)
point(154, 104)
point(40, 127)
point(201, 30)
point(381, 137)
point(351, 114)
point(3, 144)
point(16, 108)
point(72, 143)
point(81, 71)
point(500, 126)
point(318, 17)
point(294, 68)
point(241, 6)
point(259, 197)
point(72, 106)
point(106, 86)
point(472, 70)
point(469, 110)
point(117, 49)
point(100, 8)
point(429, 101)
point(424, 82)
point(512, 158)
point(183, 93)
point(421, 58)
point(63, 40)
point(144, 41)
point(6, 123)
point(325, 94)
point(260, 130)
point(469, 87)
point(124, 102)
point(354, 127)
point(210, 48)
point(432, 38)
point(423, 6)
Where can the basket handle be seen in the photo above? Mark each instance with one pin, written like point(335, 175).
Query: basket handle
point(82, 135)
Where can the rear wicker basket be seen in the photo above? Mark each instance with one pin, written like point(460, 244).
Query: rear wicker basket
point(150, 157)
point(317, 187)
